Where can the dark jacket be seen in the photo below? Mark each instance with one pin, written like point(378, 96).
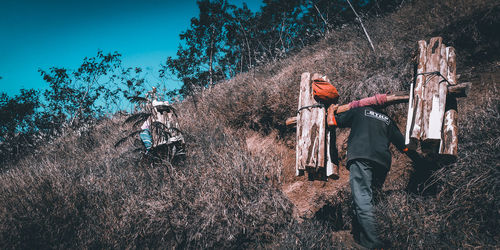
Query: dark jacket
point(371, 132)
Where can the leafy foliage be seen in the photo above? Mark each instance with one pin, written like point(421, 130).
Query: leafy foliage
point(225, 40)
point(18, 123)
point(75, 98)
point(97, 87)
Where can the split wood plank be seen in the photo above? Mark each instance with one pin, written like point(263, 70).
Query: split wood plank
point(434, 95)
point(451, 59)
point(321, 121)
point(443, 89)
point(311, 129)
point(449, 145)
point(415, 112)
point(332, 162)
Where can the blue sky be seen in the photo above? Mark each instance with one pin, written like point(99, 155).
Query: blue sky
point(60, 33)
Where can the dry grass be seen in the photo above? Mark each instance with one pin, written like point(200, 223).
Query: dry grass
point(90, 194)
point(81, 192)
point(463, 213)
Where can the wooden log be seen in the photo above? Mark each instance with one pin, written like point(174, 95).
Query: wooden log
point(321, 121)
point(415, 108)
point(443, 89)
point(332, 161)
point(301, 133)
point(395, 98)
point(291, 121)
point(399, 97)
point(459, 90)
point(311, 129)
point(434, 95)
point(449, 144)
point(451, 62)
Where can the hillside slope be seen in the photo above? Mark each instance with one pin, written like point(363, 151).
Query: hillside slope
point(237, 187)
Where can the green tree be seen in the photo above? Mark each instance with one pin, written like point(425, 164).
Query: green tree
point(199, 61)
point(224, 40)
point(17, 123)
point(278, 24)
point(96, 88)
point(74, 98)
point(240, 39)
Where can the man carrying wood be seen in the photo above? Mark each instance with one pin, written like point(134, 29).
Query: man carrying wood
point(368, 161)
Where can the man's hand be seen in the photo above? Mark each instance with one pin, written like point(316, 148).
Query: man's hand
point(330, 117)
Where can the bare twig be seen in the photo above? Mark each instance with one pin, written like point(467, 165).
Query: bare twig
point(359, 19)
point(248, 46)
point(78, 112)
point(322, 18)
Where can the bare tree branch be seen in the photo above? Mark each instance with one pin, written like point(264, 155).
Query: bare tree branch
point(322, 18)
point(359, 19)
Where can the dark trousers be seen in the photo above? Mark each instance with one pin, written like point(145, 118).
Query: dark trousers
point(365, 178)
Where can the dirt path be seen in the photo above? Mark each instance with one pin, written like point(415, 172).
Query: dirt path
point(345, 240)
point(310, 196)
